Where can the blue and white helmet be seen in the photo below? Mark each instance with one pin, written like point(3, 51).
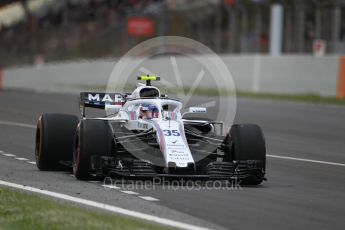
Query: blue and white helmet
point(149, 111)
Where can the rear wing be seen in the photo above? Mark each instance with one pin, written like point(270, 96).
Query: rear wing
point(99, 100)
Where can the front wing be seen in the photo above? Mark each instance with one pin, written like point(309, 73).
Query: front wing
point(217, 170)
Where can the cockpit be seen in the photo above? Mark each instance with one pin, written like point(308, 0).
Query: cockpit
point(155, 109)
point(147, 111)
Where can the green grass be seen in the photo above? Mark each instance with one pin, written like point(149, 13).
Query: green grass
point(20, 210)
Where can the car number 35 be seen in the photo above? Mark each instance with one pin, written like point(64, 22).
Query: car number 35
point(173, 132)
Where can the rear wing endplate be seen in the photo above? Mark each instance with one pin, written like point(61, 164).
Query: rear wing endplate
point(99, 100)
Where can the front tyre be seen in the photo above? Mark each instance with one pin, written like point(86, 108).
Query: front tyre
point(247, 142)
point(93, 138)
point(54, 139)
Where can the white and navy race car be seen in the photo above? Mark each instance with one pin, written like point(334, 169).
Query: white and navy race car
point(144, 135)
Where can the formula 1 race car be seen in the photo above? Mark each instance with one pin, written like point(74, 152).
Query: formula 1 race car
point(145, 135)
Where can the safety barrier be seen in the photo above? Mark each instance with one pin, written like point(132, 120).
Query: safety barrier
point(293, 74)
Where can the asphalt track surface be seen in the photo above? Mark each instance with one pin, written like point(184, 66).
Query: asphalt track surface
point(298, 194)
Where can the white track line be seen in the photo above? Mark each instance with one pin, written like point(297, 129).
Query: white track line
point(10, 123)
point(149, 198)
point(8, 154)
point(110, 187)
point(306, 160)
point(32, 162)
point(115, 209)
point(21, 158)
point(129, 192)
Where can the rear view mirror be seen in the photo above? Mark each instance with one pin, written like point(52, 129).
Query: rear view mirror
point(197, 110)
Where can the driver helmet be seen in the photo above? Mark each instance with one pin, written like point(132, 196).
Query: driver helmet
point(148, 111)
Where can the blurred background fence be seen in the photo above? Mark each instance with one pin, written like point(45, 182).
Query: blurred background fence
point(35, 31)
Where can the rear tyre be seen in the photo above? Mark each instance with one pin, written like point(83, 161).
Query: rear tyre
point(248, 143)
point(93, 138)
point(54, 139)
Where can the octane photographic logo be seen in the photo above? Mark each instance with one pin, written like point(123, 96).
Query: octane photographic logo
point(173, 185)
point(188, 70)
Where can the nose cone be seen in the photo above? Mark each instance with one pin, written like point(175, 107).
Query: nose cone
point(189, 169)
